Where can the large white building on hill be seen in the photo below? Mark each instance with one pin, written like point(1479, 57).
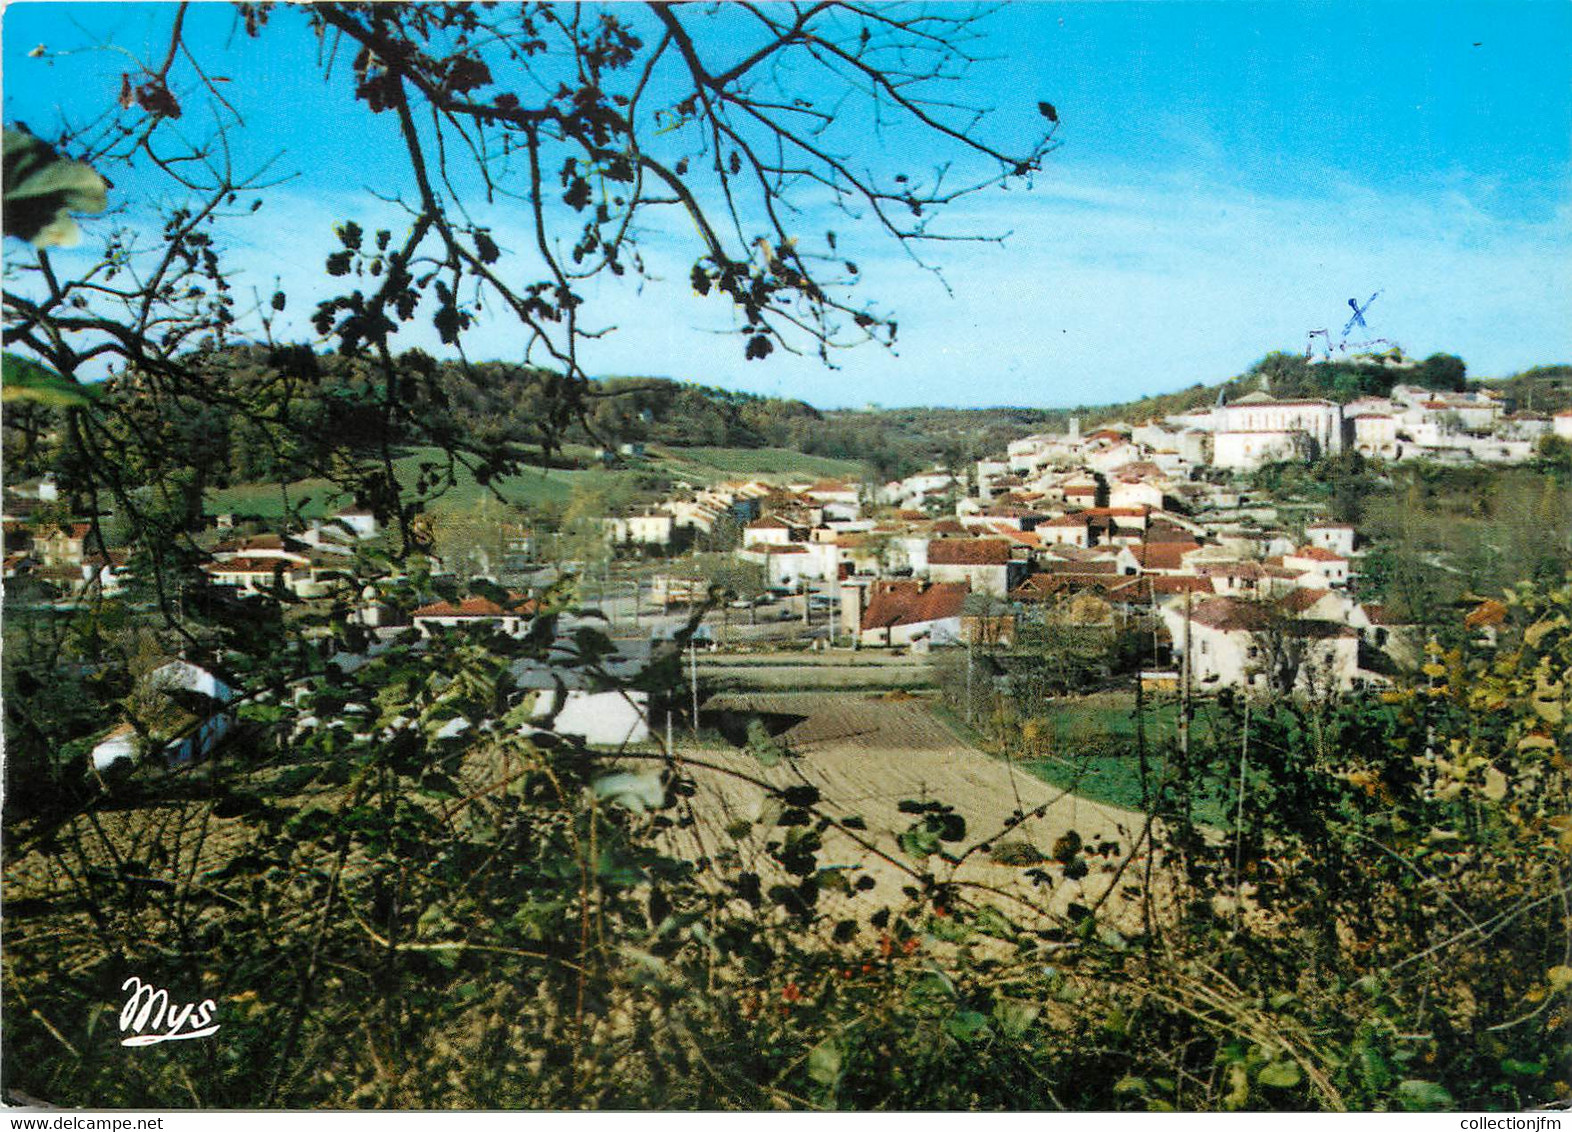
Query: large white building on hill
point(1258, 430)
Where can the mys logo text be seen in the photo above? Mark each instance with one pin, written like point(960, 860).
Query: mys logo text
point(149, 1008)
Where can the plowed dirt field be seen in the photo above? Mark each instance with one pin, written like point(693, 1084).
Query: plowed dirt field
point(866, 754)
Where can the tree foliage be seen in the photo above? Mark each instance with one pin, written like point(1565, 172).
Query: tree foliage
point(404, 886)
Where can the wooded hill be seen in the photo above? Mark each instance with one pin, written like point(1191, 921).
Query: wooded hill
point(510, 408)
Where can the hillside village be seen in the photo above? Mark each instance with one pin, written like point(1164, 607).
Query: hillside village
point(1117, 523)
point(1147, 526)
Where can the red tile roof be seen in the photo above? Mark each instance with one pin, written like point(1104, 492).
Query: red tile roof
point(1136, 470)
point(1040, 587)
point(968, 552)
point(116, 558)
point(1069, 552)
point(1230, 614)
point(1232, 570)
point(70, 530)
point(1163, 531)
point(478, 607)
point(1270, 401)
point(1084, 566)
point(1136, 589)
point(1487, 612)
point(1300, 600)
point(1015, 537)
point(251, 566)
point(1139, 510)
point(1379, 615)
point(893, 604)
point(1316, 554)
point(1179, 583)
point(1163, 555)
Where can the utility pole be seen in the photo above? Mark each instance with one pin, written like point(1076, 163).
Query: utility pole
point(1184, 689)
point(968, 678)
point(693, 678)
point(1244, 755)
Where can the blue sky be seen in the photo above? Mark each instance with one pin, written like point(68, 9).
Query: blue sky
point(1229, 174)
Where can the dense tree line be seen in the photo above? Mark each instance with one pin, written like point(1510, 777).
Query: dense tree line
point(289, 413)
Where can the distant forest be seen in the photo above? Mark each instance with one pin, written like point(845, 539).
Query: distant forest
point(318, 406)
point(509, 408)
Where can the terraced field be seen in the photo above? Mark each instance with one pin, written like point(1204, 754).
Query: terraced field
point(866, 755)
point(538, 486)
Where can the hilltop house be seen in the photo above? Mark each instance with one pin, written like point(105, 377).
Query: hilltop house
point(1258, 430)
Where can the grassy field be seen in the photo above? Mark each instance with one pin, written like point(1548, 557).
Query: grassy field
point(544, 485)
point(1110, 716)
point(1094, 747)
point(728, 463)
